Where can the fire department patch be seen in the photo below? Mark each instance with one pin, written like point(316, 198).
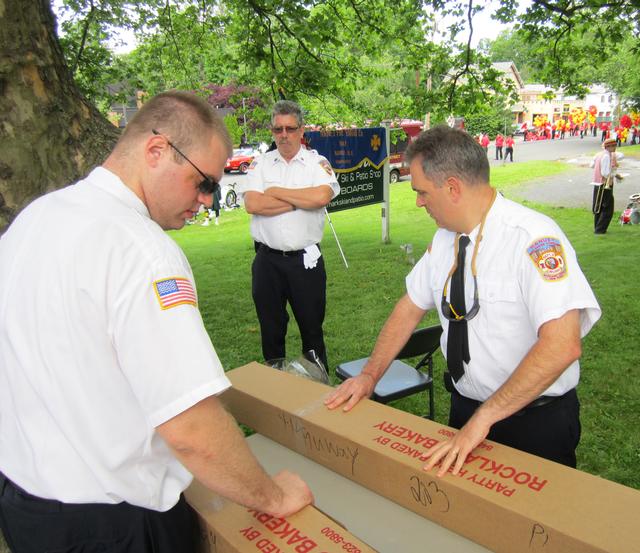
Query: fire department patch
point(548, 257)
point(327, 167)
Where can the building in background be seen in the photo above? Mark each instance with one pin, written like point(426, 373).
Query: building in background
point(544, 101)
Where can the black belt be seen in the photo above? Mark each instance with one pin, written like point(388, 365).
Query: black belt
point(538, 402)
point(290, 253)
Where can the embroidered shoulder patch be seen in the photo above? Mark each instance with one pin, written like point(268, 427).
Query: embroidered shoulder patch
point(548, 257)
point(326, 166)
point(174, 291)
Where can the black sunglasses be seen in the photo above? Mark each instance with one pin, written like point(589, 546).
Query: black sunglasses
point(208, 184)
point(280, 130)
point(449, 312)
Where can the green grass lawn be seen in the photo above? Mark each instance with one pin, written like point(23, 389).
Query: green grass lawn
point(361, 297)
point(631, 151)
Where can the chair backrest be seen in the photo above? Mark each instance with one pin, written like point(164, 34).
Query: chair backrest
point(424, 341)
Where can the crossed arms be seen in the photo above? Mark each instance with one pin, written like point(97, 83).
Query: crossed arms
point(277, 200)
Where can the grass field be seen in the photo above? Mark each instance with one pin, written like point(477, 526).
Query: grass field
point(361, 297)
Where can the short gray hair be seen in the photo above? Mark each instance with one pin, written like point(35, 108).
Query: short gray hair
point(287, 107)
point(445, 152)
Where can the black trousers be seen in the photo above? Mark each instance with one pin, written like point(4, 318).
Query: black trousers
point(278, 279)
point(498, 152)
point(34, 525)
point(508, 153)
point(602, 219)
point(551, 431)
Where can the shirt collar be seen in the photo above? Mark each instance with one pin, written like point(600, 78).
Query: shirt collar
point(112, 184)
point(302, 156)
point(495, 209)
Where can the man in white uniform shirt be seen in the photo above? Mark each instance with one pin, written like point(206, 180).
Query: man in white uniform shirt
point(108, 379)
point(512, 339)
point(605, 167)
point(287, 191)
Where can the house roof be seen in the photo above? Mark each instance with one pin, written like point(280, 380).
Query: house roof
point(508, 67)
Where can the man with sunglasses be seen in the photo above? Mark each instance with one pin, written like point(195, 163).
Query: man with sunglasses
point(287, 191)
point(108, 379)
point(513, 304)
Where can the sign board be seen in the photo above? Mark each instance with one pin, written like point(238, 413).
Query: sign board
point(357, 157)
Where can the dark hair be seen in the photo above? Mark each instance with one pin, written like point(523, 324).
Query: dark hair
point(185, 118)
point(445, 152)
point(287, 107)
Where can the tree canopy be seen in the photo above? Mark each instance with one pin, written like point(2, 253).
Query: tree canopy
point(345, 61)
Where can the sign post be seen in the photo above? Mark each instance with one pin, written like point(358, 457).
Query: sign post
point(386, 238)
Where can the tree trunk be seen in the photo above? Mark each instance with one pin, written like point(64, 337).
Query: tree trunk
point(49, 134)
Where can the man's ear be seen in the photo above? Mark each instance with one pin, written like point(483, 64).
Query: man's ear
point(454, 187)
point(154, 149)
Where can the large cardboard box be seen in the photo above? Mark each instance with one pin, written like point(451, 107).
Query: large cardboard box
point(229, 528)
point(504, 499)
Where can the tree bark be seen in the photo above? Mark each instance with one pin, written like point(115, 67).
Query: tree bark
point(50, 135)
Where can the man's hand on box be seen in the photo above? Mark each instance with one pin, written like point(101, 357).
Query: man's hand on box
point(351, 391)
point(295, 494)
point(454, 452)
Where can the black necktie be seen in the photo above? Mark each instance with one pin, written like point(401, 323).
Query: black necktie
point(457, 340)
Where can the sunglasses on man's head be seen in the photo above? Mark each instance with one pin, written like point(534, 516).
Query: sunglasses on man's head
point(208, 185)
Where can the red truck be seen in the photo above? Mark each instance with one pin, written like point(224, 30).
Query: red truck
point(400, 139)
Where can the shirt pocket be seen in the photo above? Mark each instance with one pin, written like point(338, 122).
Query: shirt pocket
point(501, 307)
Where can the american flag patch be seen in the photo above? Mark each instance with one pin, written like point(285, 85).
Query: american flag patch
point(174, 291)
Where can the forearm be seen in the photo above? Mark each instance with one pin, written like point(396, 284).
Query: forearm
point(257, 203)
point(314, 197)
point(214, 450)
point(394, 335)
point(558, 345)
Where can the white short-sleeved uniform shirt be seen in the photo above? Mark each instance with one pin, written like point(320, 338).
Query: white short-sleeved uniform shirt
point(527, 274)
point(101, 341)
point(294, 230)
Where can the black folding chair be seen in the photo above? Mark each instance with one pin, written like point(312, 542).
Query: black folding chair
point(401, 379)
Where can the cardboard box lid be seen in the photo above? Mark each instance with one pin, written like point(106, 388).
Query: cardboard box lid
point(585, 508)
point(247, 530)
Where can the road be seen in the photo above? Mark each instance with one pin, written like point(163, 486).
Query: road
point(566, 190)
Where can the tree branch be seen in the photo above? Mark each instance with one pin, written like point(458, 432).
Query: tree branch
point(177, 48)
point(465, 69)
point(85, 32)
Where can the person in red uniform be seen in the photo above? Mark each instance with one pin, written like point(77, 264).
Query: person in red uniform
point(499, 145)
point(484, 142)
point(508, 153)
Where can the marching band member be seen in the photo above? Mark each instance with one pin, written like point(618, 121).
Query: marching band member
point(605, 166)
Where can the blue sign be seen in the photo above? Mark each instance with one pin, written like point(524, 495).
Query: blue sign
point(357, 157)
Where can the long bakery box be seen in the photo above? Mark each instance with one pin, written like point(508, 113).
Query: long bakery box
point(503, 499)
point(229, 528)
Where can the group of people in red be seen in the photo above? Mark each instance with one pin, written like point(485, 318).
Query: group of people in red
point(561, 127)
point(500, 143)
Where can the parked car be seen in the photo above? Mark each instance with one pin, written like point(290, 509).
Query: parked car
point(519, 129)
point(240, 160)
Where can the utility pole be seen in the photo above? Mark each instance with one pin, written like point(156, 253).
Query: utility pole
point(244, 120)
